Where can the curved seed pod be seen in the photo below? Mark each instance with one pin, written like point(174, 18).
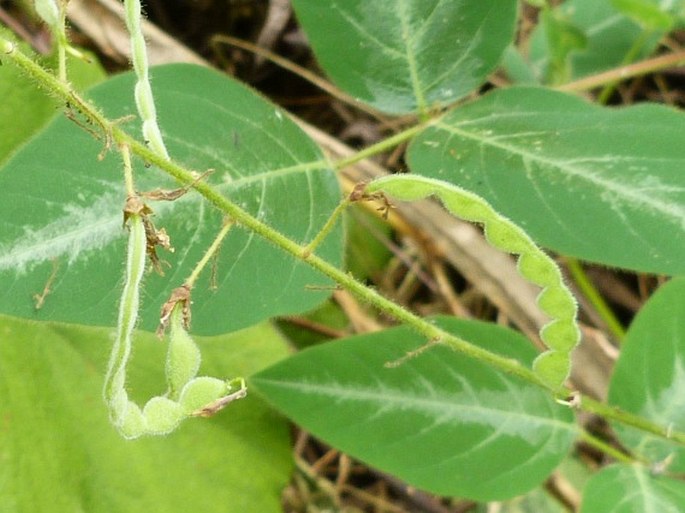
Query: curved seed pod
point(115, 380)
point(187, 394)
point(561, 334)
point(145, 102)
point(200, 392)
point(162, 416)
point(183, 356)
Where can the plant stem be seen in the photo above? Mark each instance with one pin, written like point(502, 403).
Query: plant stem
point(381, 146)
point(607, 449)
point(298, 70)
point(208, 254)
point(327, 228)
point(420, 325)
point(610, 87)
point(625, 72)
point(591, 293)
point(233, 211)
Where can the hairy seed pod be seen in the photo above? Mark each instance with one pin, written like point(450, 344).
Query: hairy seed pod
point(115, 380)
point(183, 356)
point(561, 334)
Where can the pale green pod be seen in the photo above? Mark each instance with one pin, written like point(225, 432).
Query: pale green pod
point(162, 416)
point(141, 92)
point(532, 267)
point(133, 423)
point(549, 365)
point(144, 99)
point(564, 333)
point(561, 334)
point(556, 302)
point(469, 206)
point(115, 380)
point(202, 391)
point(183, 356)
point(118, 406)
point(504, 235)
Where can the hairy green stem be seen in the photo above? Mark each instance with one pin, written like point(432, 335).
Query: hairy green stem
point(372, 297)
point(211, 251)
point(590, 291)
point(607, 449)
point(381, 146)
point(327, 228)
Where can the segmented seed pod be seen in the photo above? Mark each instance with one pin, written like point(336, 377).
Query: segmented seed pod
point(561, 334)
point(183, 355)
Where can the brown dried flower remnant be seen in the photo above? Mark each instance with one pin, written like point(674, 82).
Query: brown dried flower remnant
point(154, 237)
point(178, 295)
point(359, 194)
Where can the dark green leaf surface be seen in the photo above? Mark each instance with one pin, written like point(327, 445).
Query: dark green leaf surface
point(439, 421)
point(605, 185)
point(649, 377)
point(408, 55)
point(60, 206)
point(625, 489)
point(59, 453)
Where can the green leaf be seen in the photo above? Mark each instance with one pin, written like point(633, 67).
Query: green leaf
point(612, 39)
point(563, 37)
point(61, 207)
point(366, 254)
point(649, 377)
point(517, 67)
point(646, 13)
point(632, 489)
point(408, 55)
point(27, 105)
point(59, 453)
point(439, 421)
point(601, 184)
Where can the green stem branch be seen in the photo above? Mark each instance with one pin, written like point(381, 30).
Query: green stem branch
point(591, 293)
point(381, 146)
point(366, 294)
point(607, 449)
point(211, 251)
